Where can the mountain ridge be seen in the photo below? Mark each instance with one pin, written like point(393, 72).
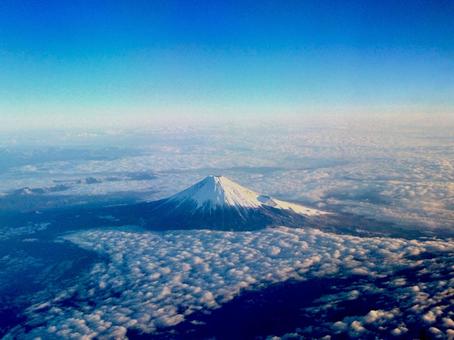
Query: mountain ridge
point(217, 202)
point(216, 191)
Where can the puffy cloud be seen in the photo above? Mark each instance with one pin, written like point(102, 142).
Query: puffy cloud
point(156, 280)
point(429, 317)
point(356, 328)
point(400, 330)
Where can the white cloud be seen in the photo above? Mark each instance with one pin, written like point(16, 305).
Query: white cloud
point(156, 280)
point(401, 175)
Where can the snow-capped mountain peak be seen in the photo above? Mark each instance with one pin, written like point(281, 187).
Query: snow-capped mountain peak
point(219, 191)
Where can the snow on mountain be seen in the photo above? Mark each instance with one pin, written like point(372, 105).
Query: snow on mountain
point(217, 203)
point(218, 191)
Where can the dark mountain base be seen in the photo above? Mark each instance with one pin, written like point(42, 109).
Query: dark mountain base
point(164, 216)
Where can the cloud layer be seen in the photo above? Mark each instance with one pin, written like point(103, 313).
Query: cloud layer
point(156, 280)
point(401, 174)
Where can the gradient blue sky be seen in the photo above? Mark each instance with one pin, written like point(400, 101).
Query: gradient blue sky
point(129, 58)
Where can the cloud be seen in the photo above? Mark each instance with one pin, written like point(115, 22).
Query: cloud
point(29, 229)
point(156, 280)
point(402, 175)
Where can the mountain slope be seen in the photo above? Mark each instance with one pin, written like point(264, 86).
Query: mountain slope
point(216, 202)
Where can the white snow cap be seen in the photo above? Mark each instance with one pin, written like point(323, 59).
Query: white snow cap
point(218, 191)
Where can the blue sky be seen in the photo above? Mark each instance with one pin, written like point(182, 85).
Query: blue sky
point(185, 58)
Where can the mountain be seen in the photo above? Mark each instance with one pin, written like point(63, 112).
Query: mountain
point(217, 202)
